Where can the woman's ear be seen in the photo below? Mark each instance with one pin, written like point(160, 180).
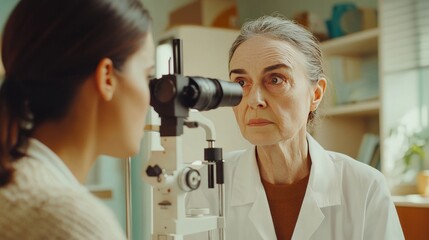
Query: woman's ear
point(105, 79)
point(318, 93)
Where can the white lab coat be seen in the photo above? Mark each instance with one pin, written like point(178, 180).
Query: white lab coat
point(345, 199)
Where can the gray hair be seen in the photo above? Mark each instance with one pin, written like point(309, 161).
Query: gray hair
point(286, 30)
point(279, 28)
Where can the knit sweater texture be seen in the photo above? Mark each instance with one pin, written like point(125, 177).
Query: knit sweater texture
point(44, 201)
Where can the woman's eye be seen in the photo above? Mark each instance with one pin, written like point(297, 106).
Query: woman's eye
point(276, 80)
point(241, 82)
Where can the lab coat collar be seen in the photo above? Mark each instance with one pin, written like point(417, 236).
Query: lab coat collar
point(246, 180)
point(325, 176)
point(324, 182)
point(323, 190)
point(247, 188)
point(262, 220)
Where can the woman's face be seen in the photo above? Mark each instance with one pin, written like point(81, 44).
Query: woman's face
point(131, 99)
point(277, 95)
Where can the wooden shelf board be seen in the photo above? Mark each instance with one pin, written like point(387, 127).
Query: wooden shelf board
point(367, 108)
point(412, 200)
point(355, 44)
point(100, 191)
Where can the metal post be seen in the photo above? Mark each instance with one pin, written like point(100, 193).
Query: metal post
point(221, 211)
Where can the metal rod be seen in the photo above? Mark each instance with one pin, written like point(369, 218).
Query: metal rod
point(128, 197)
point(221, 210)
point(177, 56)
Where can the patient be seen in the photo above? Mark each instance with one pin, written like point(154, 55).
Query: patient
point(287, 186)
point(76, 87)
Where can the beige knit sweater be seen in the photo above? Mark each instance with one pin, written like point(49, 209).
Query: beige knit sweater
point(45, 201)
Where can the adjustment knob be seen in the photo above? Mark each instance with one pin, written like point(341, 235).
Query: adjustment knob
point(154, 171)
point(190, 179)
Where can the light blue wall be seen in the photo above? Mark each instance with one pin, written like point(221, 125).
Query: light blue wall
point(6, 7)
point(141, 194)
point(109, 174)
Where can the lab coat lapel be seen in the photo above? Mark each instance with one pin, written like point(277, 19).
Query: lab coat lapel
point(309, 219)
point(247, 188)
point(323, 190)
point(260, 216)
point(246, 180)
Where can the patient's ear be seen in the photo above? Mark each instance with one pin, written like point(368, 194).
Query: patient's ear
point(318, 93)
point(105, 79)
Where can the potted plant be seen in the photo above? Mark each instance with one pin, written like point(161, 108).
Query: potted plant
point(415, 156)
point(408, 149)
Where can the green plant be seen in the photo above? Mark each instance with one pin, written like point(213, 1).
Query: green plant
point(414, 150)
point(415, 142)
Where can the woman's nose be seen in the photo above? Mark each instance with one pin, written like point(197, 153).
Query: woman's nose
point(255, 98)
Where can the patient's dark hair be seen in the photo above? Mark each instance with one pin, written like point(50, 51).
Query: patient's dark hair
point(49, 48)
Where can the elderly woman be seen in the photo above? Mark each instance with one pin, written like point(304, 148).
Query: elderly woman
point(287, 186)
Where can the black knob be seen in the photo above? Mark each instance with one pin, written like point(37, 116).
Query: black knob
point(154, 171)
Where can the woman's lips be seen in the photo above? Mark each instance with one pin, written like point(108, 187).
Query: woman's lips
point(258, 122)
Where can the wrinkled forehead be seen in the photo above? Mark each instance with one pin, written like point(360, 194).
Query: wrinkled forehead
point(261, 51)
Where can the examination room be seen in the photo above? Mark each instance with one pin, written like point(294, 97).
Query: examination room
point(214, 119)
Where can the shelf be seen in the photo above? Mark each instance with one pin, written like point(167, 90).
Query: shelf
point(100, 191)
point(355, 44)
point(412, 200)
point(367, 108)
